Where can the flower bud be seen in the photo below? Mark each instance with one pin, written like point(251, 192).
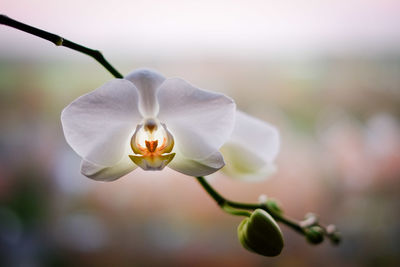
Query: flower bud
point(333, 234)
point(336, 238)
point(261, 234)
point(314, 234)
point(273, 205)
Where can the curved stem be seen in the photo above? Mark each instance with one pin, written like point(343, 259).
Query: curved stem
point(277, 216)
point(299, 226)
point(60, 41)
point(223, 202)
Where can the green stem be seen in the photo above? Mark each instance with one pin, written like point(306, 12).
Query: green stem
point(223, 203)
point(60, 41)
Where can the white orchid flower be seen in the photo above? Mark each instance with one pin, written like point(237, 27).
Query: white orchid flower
point(152, 122)
point(251, 150)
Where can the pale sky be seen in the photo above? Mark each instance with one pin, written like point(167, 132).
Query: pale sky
point(209, 27)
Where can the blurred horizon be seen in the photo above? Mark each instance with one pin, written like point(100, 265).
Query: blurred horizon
point(229, 28)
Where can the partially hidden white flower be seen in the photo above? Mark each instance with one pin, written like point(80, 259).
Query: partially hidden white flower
point(251, 150)
point(152, 122)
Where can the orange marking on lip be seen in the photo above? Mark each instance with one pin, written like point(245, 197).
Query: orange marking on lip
point(152, 149)
point(151, 145)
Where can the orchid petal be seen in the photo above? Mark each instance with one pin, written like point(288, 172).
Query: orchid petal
point(99, 125)
point(147, 83)
point(200, 121)
point(241, 163)
point(252, 148)
point(101, 173)
point(201, 167)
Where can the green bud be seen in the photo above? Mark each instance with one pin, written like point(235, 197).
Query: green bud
point(314, 234)
point(273, 205)
point(261, 234)
point(335, 238)
point(333, 234)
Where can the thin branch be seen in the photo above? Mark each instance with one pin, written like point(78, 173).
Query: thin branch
point(222, 202)
point(298, 226)
point(60, 41)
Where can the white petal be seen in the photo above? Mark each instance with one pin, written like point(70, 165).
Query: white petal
point(147, 83)
point(252, 149)
point(200, 121)
point(99, 125)
point(242, 163)
point(101, 173)
point(259, 137)
point(200, 167)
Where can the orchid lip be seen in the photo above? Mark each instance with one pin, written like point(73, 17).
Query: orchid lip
point(152, 144)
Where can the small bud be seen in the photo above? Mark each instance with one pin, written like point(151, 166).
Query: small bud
point(314, 234)
point(273, 205)
point(261, 234)
point(333, 234)
point(335, 238)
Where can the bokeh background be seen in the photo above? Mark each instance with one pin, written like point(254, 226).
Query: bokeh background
point(326, 73)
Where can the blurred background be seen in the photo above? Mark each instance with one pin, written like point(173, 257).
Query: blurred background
point(326, 73)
